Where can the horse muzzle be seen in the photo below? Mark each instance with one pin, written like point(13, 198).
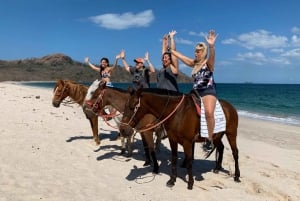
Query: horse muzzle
point(56, 103)
point(126, 130)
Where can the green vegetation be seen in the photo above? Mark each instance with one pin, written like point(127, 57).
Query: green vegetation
point(59, 66)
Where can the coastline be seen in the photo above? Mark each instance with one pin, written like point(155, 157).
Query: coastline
point(47, 154)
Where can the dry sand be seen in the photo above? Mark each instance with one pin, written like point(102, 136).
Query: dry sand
point(48, 154)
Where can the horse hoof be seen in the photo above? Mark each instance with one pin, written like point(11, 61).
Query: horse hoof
point(237, 179)
point(171, 183)
point(147, 163)
point(122, 152)
point(190, 187)
point(216, 171)
point(155, 170)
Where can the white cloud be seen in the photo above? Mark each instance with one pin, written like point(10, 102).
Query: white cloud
point(184, 41)
point(262, 39)
point(256, 58)
point(123, 21)
point(258, 39)
point(295, 41)
point(292, 53)
point(296, 30)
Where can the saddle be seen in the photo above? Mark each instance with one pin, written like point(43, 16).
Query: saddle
point(220, 120)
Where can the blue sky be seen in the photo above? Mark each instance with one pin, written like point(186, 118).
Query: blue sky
point(258, 41)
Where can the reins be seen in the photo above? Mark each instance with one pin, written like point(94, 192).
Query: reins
point(157, 124)
point(95, 107)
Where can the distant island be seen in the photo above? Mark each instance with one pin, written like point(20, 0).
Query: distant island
point(60, 66)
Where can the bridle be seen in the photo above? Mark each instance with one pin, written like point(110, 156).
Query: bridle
point(94, 106)
point(151, 126)
point(61, 93)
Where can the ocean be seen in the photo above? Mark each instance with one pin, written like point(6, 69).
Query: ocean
point(270, 102)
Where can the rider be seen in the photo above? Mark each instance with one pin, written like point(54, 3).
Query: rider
point(204, 84)
point(104, 70)
point(167, 76)
point(140, 74)
point(105, 73)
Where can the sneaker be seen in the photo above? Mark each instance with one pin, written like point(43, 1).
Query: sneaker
point(208, 146)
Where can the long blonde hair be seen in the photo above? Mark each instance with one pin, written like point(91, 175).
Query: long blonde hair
point(198, 64)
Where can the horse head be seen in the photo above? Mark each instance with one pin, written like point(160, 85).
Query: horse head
point(132, 113)
point(61, 91)
point(93, 98)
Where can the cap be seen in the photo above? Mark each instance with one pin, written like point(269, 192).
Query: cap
point(139, 60)
point(200, 46)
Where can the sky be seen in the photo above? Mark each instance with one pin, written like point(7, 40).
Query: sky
point(258, 41)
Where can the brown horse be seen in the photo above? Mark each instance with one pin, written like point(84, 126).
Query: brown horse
point(103, 96)
point(77, 92)
point(178, 114)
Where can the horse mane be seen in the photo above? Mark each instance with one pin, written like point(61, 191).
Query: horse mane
point(162, 91)
point(78, 91)
point(117, 89)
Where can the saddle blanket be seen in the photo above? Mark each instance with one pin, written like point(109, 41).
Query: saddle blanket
point(220, 120)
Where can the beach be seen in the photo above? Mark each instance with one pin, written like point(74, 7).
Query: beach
point(48, 154)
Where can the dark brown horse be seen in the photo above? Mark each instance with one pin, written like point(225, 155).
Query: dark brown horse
point(77, 92)
point(178, 114)
point(116, 97)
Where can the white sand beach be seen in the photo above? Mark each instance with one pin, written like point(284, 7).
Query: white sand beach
point(48, 154)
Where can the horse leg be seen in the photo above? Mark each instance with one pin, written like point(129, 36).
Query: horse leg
point(129, 145)
point(231, 137)
point(174, 148)
point(184, 163)
point(219, 152)
point(157, 142)
point(150, 142)
point(123, 145)
point(188, 150)
point(94, 124)
point(146, 149)
point(155, 163)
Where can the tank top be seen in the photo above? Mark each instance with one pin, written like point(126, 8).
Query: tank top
point(203, 78)
point(166, 79)
point(104, 74)
point(141, 77)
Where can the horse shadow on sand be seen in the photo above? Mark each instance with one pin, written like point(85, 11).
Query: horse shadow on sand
point(143, 174)
point(112, 135)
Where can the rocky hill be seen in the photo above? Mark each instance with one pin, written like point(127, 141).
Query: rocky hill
point(59, 66)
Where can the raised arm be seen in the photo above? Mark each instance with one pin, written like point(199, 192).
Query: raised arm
point(174, 63)
point(211, 38)
point(151, 67)
point(86, 60)
point(165, 44)
point(186, 60)
point(125, 64)
point(116, 62)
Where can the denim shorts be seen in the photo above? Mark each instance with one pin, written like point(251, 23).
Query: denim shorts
point(211, 90)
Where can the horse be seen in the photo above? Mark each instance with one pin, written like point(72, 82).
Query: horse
point(100, 96)
point(178, 114)
point(77, 92)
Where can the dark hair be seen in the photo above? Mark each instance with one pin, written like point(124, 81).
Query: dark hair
point(167, 53)
point(105, 59)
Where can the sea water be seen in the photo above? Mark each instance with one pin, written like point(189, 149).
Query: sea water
point(272, 102)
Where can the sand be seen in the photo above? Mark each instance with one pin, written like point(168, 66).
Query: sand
point(48, 154)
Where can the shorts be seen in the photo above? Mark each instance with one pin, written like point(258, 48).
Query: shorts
point(109, 84)
point(207, 91)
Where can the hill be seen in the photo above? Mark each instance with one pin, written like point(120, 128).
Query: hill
point(60, 66)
